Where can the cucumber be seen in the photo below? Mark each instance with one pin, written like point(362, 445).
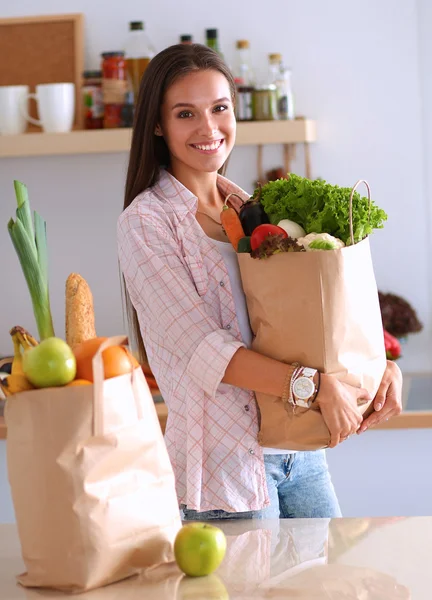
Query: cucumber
point(244, 245)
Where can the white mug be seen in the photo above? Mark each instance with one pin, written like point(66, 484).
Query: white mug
point(12, 99)
point(56, 107)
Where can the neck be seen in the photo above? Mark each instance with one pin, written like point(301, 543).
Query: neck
point(203, 185)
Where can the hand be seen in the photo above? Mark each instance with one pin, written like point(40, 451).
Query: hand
point(338, 403)
point(388, 400)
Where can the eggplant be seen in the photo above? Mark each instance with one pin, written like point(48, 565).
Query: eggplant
point(252, 214)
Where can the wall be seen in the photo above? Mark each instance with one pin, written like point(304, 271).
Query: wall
point(356, 71)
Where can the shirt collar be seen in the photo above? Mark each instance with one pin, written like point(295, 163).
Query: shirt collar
point(183, 201)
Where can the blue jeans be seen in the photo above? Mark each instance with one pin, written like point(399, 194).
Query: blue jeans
point(299, 486)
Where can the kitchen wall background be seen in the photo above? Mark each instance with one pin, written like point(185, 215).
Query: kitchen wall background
point(358, 69)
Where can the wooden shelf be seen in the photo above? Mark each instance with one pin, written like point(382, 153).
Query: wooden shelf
point(406, 420)
point(118, 140)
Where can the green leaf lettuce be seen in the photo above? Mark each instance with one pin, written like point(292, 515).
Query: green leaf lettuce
point(320, 207)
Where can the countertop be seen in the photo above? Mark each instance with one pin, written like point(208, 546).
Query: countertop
point(309, 559)
point(416, 401)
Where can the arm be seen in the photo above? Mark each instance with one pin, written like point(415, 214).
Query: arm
point(167, 301)
point(337, 401)
point(253, 371)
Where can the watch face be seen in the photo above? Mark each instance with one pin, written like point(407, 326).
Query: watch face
point(303, 388)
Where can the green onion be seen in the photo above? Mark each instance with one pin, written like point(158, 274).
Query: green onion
point(30, 244)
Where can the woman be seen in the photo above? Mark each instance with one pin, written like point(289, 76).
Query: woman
point(183, 288)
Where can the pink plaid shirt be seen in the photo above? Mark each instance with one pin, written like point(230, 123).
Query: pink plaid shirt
point(180, 288)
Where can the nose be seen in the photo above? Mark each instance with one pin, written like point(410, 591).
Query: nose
point(208, 126)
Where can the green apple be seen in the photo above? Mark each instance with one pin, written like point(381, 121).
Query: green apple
point(49, 364)
point(199, 548)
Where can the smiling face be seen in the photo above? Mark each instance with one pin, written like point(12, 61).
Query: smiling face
point(198, 122)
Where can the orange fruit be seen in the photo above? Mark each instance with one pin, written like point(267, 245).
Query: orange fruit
point(76, 382)
point(117, 360)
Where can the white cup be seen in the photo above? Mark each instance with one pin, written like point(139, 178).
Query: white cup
point(12, 99)
point(56, 107)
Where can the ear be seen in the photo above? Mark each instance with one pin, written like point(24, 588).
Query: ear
point(158, 130)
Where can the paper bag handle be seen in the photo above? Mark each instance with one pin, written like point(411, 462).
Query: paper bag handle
point(98, 381)
point(234, 194)
point(351, 207)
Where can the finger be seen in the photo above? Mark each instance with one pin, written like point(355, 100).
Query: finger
point(380, 397)
point(363, 394)
point(355, 428)
point(334, 439)
point(375, 418)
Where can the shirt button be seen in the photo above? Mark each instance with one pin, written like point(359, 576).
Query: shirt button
point(251, 451)
point(246, 407)
point(228, 327)
point(222, 284)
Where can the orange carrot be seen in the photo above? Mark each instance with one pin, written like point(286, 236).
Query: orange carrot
point(231, 225)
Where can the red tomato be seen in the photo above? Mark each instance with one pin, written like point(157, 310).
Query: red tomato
point(260, 233)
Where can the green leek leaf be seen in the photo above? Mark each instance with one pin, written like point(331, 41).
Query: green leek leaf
point(23, 211)
point(41, 245)
point(30, 244)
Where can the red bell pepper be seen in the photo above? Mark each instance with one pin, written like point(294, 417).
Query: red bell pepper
point(392, 346)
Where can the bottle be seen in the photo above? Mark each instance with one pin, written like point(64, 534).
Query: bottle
point(280, 76)
point(286, 97)
point(275, 61)
point(212, 40)
point(243, 66)
point(245, 80)
point(138, 52)
point(186, 39)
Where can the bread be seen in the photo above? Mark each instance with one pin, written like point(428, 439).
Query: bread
point(80, 318)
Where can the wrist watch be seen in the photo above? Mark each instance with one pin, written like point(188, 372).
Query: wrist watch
point(303, 388)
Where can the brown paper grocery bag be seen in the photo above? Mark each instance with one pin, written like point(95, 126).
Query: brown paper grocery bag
point(91, 481)
point(320, 309)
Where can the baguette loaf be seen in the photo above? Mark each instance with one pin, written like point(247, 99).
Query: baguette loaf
point(80, 318)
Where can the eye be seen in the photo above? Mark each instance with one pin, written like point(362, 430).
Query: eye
point(220, 108)
point(184, 114)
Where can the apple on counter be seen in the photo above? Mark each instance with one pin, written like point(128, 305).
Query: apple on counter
point(199, 548)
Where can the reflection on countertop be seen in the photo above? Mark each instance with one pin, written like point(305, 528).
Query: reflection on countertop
point(310, 559)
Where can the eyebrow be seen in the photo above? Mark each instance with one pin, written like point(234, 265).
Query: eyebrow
point(186, 105)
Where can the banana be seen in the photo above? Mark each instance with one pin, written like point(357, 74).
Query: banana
point(17, 368)
point(17, 382)
point(22, 340)
point(26, 338)
point(13, 384)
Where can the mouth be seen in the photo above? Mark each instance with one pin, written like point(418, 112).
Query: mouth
point(209, 148)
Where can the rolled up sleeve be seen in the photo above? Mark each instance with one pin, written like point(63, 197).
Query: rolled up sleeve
point(166, 299)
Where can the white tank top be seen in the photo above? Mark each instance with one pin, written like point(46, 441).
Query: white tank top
point(230, 258)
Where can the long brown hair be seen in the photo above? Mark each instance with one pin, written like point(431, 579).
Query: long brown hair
point(149, 152)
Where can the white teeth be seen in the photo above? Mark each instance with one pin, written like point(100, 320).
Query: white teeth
point(212, 146)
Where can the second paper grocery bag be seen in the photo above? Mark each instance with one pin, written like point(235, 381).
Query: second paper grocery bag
point(91, 481)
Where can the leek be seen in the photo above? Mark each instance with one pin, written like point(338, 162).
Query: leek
point(30, 244)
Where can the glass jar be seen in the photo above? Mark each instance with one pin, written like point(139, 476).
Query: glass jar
point(114, 87)
point(265, 106)
point(92, 99)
